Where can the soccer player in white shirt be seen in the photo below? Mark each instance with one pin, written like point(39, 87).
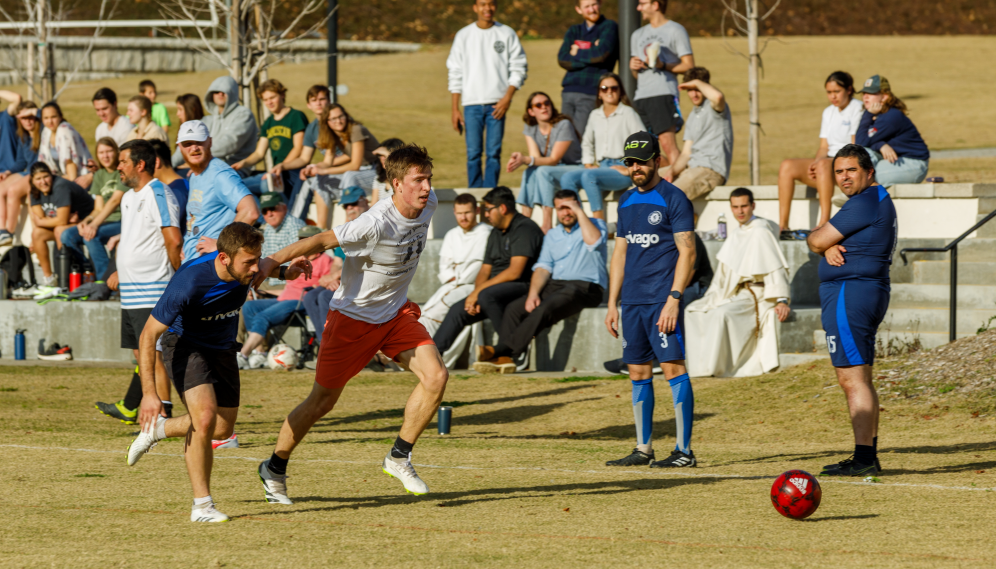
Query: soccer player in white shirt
point(370, 312)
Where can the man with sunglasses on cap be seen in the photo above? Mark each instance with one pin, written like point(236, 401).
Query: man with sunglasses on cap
point(655, 252)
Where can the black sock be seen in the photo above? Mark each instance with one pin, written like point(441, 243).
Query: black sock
point(502, 350)
point(401, 448)
point(865, 454)
point(278, 465)
point(875, 446)
point(133, 399)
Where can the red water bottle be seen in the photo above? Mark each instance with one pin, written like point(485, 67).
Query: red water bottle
point(75, 279)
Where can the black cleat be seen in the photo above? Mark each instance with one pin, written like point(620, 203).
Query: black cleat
point(850, 467)
point(637, 458)
point(677, 459)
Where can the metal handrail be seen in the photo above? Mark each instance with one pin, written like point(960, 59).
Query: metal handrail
point(953, 248)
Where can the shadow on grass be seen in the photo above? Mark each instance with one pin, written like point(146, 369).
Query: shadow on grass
point(456, 499)
point(835, 518)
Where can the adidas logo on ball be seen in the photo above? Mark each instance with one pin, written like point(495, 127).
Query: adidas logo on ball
point(800, 483)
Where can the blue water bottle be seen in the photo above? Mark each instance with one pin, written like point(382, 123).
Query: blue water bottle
point(19, 344)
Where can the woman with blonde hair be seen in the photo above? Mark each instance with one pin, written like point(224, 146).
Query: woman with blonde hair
point(897, 150)
point(14, 179)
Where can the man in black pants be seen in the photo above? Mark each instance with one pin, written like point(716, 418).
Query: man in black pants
point(569, 276)
point(513, 247)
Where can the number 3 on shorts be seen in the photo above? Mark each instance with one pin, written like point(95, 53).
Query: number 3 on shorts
point(663, 339)
point(832, 344)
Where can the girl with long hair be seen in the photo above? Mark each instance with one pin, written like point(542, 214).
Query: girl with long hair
point(56, 205)
point(612, 121)
point(62, 148)
point(382, 187)
point(188, 108)
point(553, 150)
point(14, 181)
point(897, 150)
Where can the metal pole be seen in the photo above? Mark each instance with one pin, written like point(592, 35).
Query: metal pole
point(754, 144)
point(953, 331)
point(629, 21)
point(332, 53)
point(32, 95)
point(235, 42)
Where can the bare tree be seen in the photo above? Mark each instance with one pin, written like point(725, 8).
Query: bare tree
point(745, 23)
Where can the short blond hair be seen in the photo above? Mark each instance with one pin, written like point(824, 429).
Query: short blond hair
point(409, 156)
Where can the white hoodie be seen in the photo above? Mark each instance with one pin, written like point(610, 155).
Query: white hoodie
point(483, 63)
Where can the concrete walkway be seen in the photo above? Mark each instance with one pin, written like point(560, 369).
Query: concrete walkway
point(963, 153)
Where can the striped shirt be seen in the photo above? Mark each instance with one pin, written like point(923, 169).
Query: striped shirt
point(276, 238)
point(143, 265)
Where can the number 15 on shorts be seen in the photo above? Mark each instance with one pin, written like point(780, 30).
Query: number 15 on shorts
point(832, 344)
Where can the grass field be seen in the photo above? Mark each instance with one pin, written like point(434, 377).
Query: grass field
point(520, 481)
point(944, 80)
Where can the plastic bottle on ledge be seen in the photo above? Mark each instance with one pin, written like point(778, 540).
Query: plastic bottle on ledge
point(721, 227)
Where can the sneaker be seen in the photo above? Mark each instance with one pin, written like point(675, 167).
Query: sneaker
point(484, 353)
point(849, 467)
point(118, 411)
point(402, 469)
point(230, 442)
point(257, 360)
point(636, 458)
point(616, 366)
point(5, 237)
point(274, 486)
point(242, 360)
point(522, 362)
point(677, 459)
point(54, 352)
point(46, 292)
point(48, 281)
point(25, 292)
point(143, 443)
point(503, 365)
point(206, 513)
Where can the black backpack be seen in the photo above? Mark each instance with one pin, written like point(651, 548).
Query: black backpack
point(13, 263)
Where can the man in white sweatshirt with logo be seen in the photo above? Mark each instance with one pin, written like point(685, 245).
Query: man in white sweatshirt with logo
point(486, 66)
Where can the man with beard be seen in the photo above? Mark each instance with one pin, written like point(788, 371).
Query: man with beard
point(197, 318)
point(655, 252)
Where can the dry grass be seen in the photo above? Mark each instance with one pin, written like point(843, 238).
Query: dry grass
point(943, 79)
point(519, 482)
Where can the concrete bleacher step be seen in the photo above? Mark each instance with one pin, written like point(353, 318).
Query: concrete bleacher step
point(971, 297)
point(939, 272)
point(928, 320)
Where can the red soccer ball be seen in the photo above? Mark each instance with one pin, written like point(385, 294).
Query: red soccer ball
point(796, 494)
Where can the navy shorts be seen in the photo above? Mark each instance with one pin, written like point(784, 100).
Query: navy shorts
point(852, 312)
point(643, 342)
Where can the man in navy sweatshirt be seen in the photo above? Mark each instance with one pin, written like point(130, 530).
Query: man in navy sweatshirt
point(590, 50)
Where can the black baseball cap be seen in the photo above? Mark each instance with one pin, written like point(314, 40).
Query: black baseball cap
point(641, 146)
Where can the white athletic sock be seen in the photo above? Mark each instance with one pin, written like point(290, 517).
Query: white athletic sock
point(202, 501)
point(161, 428)
point(645, 449)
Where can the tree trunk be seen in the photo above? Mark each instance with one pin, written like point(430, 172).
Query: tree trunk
point(754, 145)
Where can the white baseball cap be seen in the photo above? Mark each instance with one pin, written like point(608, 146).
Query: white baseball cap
point(193, 131)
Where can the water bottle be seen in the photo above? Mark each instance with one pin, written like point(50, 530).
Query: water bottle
point(63, 258)
point(75, 278)
point(721, 227)
point(19, 344)
point(88, 276)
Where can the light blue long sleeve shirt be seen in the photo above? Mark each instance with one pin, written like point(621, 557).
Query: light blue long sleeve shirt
point(567, 257)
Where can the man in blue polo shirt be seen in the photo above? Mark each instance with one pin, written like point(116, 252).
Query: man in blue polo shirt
point(857, 247)
point(651, 264)
point(569, 276)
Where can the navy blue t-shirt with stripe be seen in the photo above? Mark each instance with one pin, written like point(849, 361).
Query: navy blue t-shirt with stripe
point(648, 221)
point(870, 229)
point(200, 307)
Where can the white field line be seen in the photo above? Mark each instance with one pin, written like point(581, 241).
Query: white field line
point(538, 469)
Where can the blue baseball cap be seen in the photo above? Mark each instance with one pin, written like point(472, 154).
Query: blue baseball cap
point(351, 195)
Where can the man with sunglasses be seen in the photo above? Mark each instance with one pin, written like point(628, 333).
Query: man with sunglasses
point(655, 252)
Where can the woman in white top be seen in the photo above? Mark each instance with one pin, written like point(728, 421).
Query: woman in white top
point(840, 122)
point(612, 121)
point(61, 148)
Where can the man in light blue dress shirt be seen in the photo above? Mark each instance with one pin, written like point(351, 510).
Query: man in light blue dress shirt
point(569, 276)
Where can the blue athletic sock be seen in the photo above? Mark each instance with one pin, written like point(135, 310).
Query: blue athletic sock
point(684, 406)
point(643, 413)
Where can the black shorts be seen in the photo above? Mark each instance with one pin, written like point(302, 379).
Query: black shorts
point(189, 366)
point(660, 114)
point(132, 322)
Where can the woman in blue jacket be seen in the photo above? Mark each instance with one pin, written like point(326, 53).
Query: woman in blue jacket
point(897, 150)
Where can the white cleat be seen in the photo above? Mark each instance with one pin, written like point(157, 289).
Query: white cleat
point(402, 469)
point(144, 442)
point(207, 513)
point(230, 442)
point(275, 486)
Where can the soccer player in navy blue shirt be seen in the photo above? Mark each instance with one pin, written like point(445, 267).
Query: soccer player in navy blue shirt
point(197, 318)
point(651, 265)
point(857, 247)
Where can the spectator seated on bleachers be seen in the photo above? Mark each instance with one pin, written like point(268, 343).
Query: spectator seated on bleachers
point(602, 145)
point(705, 158)
point(570, 275)
point(897, 150)
point(554, 150)
point(14, 185)
point(837, 129)
point(104, 222)
point(731, 330)
point(512, 248)
point(232, 127)
point(262, 315)
point(188, 108)
point(460, 260)
point(62, 148)
point(56, 205)
point(140, 115)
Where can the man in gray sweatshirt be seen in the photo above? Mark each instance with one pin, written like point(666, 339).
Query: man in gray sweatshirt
point(233, 127)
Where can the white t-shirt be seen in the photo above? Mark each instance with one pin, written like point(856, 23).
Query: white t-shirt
point(143, 266)
point(382, 250)
point(119, 132)
point(839, 126)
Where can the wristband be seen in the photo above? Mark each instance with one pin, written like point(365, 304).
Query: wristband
point(283, 273)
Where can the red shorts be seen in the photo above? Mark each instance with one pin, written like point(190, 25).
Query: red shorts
point(348, 345)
